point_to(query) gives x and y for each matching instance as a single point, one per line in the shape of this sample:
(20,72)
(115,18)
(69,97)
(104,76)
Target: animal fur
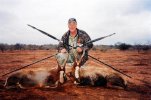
(98,76)
(89,75)
(32,78)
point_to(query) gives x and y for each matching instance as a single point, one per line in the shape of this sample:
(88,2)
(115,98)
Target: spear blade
(44,32)
(97,39)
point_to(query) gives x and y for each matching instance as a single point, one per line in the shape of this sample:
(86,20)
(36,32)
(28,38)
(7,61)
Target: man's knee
(61,58)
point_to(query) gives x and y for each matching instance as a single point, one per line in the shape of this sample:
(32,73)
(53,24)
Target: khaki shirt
(73,42)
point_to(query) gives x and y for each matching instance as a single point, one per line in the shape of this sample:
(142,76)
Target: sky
(129,19)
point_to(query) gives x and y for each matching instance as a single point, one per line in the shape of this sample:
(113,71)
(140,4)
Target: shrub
(123,46)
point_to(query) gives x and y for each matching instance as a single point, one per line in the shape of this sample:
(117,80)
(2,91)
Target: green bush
(123,46)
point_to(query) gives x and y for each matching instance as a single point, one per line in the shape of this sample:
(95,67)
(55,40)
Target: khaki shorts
(68,57)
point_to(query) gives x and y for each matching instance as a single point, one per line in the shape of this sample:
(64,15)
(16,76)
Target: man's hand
(79,50)
(63,51)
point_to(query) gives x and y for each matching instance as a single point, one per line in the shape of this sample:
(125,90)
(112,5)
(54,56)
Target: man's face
(72,26)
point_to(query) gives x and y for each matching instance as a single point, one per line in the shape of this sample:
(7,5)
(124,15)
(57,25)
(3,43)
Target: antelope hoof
(77,81)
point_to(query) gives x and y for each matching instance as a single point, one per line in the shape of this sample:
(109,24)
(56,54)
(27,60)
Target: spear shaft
(28,65)
(110,66)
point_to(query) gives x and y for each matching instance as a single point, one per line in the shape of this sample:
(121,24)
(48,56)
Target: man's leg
(61,60)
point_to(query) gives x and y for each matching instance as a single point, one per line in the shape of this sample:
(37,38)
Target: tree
(18,46)
(2,47)
(122,46)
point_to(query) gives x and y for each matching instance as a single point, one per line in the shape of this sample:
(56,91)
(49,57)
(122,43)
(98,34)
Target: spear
(53,37)
(44,33)
(28,65)
(109,66)
(98,39)
(91,41)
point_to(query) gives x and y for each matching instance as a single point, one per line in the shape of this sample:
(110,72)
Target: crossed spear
(53,37)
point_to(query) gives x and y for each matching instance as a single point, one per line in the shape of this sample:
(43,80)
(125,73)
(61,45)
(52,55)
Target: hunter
(70,50)
(73,38)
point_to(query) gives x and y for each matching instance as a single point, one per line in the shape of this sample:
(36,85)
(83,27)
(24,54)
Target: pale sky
(130,19)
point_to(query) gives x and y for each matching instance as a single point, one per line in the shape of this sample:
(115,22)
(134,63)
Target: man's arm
(86,39)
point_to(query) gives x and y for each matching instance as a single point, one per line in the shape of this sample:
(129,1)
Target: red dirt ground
(137,65)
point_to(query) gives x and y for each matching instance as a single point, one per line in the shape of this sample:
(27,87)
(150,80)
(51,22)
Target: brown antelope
(41,78)
(98,76)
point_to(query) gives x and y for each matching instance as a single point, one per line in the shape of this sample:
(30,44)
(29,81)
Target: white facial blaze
(61,78)
(77,71)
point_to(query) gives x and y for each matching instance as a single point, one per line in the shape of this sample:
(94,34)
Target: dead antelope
(32,78)
(94,76)
(88,75)
(38,78)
